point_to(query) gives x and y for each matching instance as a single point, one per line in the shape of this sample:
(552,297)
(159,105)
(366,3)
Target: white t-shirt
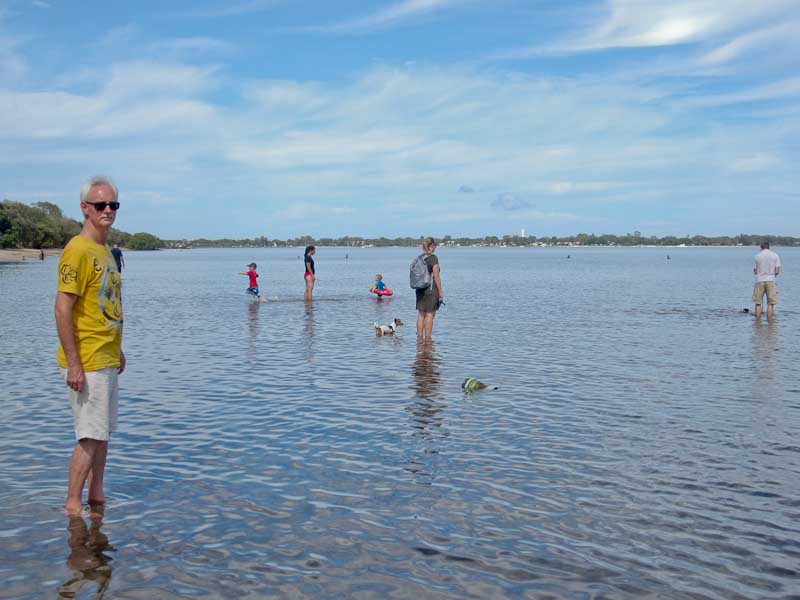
(766,263)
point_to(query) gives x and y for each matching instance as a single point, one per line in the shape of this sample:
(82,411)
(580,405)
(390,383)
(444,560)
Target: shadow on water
(87,559)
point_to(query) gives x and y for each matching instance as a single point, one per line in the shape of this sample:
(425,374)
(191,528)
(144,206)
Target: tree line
(581,239)
(43,225)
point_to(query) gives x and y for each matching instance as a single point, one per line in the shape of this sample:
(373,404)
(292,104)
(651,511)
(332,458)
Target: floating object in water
(473,385)
(745,310)
(383,292)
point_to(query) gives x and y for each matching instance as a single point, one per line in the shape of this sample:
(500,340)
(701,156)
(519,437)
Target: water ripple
(642,444)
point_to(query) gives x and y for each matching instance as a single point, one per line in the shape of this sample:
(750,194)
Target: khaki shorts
(768,288)
(94,410)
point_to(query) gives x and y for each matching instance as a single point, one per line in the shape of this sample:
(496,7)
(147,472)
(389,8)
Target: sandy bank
(26,254)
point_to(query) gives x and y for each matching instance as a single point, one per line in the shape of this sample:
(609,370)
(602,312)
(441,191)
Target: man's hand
(122,362)
(75,377)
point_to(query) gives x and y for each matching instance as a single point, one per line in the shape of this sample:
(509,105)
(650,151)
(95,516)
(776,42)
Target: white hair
(95,181)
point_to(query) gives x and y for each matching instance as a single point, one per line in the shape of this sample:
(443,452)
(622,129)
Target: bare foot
(73,510)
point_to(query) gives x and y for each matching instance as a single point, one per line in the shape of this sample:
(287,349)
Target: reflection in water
(252,318)
(86,558)
(426,417)
(765,344)
(308,330)
(427,378)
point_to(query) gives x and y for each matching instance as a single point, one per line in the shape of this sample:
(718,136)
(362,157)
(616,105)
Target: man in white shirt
(767,268)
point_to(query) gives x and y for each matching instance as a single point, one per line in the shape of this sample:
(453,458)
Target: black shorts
(428,299)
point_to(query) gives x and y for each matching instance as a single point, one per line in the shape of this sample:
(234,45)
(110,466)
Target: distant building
(522,233)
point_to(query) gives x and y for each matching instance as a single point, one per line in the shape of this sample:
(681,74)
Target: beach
(20,254)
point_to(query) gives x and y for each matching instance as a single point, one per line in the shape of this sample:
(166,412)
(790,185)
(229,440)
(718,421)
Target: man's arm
(65,325)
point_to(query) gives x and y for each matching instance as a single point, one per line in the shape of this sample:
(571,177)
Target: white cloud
(337,155)
(145,79)
(572,187)
(237,9)
(653,23)
(189,45)
(785,88)
(136,97)
(754,162)
(302,211)
(510,202)
(13,66)
(656,23)
(389,16)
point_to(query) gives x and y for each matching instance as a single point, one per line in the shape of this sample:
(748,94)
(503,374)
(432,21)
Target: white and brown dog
(387,329)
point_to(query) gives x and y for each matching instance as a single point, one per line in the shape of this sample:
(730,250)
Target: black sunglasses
(101,206)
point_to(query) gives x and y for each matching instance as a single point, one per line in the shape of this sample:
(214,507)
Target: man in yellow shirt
(89,323)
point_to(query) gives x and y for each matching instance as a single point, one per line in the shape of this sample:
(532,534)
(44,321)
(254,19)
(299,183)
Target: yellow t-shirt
(89,271)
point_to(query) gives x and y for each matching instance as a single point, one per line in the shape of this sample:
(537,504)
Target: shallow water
(643,442)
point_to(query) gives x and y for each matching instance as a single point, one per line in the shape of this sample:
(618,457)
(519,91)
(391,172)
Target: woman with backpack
(430,295)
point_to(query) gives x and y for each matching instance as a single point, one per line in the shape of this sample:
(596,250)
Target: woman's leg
(429,317)
(309,287)
(420,323)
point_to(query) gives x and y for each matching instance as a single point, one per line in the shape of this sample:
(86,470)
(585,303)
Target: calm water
(644,442)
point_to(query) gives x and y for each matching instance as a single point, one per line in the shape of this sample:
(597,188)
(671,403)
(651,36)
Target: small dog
(387,329)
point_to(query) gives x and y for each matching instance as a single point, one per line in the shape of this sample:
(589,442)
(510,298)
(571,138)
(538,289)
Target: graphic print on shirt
(69,274)
(109,298)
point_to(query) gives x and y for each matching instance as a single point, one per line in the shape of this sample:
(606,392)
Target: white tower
(522,233)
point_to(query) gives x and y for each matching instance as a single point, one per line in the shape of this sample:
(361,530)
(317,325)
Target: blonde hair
(427,245)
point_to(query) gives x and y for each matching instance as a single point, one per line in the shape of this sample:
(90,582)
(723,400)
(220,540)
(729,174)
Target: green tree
(144,241)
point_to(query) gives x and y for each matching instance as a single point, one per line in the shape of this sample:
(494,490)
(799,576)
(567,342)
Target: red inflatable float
(383,292)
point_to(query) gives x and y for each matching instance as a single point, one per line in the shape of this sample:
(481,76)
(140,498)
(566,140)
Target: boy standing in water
(253,275)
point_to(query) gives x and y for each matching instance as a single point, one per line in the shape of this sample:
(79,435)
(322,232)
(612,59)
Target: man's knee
(89,445)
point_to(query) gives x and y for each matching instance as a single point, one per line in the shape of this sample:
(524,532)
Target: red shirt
(253,276)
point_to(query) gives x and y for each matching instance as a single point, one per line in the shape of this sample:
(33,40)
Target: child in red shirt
(251,273)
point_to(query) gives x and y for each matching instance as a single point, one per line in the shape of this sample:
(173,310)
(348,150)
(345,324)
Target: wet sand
(20,254)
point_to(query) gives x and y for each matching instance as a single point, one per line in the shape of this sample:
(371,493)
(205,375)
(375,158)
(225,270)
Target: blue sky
(408,117)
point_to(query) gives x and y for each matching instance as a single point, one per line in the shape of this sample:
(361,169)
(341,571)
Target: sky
(283,118)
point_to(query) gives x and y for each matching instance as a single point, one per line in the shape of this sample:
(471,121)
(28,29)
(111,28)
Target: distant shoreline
(26,254)
(443,245)
(31,254)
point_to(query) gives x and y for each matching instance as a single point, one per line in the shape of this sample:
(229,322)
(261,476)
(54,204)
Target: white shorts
(94,410)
